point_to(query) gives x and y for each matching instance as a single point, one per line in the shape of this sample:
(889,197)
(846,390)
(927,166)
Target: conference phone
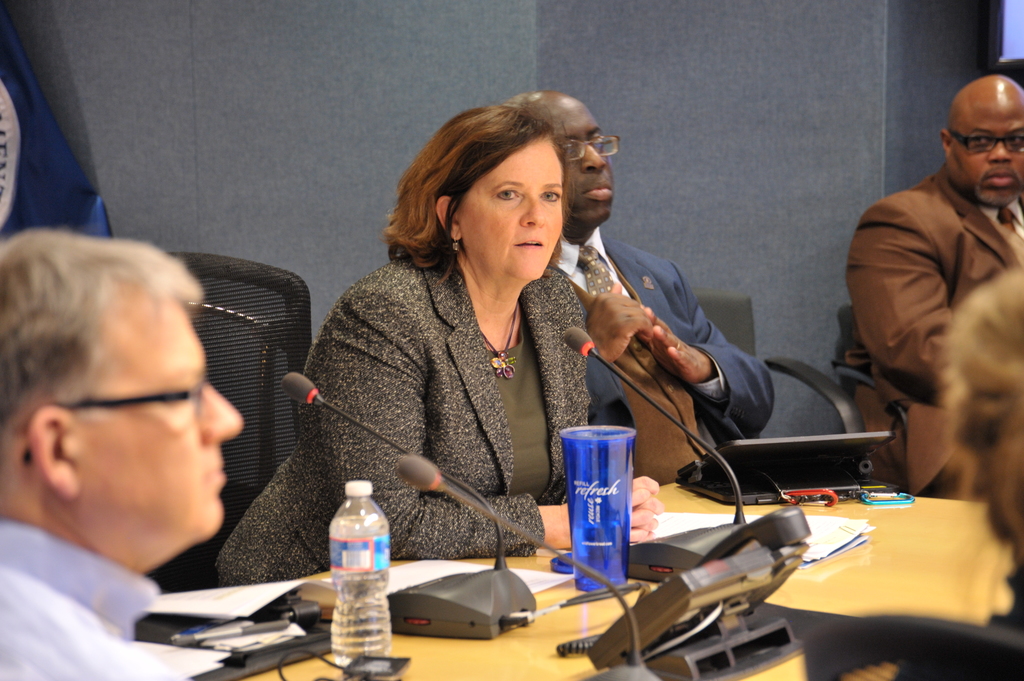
(702,621)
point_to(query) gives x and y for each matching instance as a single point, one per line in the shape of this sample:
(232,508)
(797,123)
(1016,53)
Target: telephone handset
(658,559)
(785,527)
(739,573)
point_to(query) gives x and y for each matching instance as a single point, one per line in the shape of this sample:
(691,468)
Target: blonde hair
(55,288)
(984,397)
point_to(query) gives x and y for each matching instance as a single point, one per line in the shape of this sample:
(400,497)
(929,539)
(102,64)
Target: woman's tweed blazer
(401,351)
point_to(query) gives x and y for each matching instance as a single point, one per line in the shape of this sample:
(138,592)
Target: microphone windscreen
(298,387)
(419,473)
(577,339)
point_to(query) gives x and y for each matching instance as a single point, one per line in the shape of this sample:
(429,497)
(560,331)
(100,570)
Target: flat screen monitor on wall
(1002,38)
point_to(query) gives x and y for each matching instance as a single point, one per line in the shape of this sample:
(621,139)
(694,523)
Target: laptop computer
(766,468)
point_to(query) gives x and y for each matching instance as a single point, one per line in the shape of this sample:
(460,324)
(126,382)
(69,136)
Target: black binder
(240,664)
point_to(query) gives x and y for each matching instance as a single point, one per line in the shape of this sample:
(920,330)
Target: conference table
(934,558)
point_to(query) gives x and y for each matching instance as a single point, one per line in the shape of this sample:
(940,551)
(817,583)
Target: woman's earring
(455,246)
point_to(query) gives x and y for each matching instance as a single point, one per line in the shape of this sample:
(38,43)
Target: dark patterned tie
(599,279)
(1006,218)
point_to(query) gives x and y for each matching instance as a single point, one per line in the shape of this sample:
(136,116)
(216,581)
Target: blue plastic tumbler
(599,486)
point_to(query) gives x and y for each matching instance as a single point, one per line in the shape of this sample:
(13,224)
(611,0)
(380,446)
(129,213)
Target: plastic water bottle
(360,556)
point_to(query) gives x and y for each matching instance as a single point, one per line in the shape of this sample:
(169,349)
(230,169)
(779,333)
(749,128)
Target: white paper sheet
(225,603)
(256,640)
(241,601)
(829,534)
(188,662)
(403,576)
(859,540)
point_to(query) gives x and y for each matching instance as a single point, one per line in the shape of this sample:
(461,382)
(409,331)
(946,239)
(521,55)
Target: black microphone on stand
(301,389)
(469,605)
(660,558)
(423,475)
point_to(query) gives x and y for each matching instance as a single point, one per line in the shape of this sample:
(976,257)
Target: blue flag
(41,183)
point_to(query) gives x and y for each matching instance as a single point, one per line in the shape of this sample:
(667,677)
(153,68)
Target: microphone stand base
(460,606)
(659,559)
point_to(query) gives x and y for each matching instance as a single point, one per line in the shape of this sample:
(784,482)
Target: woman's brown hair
(466,148)
(984,398)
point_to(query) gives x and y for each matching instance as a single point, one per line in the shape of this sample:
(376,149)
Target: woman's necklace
(502,363)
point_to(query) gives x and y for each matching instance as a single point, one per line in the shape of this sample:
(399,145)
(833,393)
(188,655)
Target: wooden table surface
(935,558)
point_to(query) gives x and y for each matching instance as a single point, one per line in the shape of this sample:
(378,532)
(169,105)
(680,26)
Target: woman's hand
(556,525)
(646,506)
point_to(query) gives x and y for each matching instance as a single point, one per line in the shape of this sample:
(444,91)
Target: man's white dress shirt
(67,614)
(714,388)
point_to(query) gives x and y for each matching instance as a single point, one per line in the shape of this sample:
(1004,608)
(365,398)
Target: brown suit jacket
(914,257)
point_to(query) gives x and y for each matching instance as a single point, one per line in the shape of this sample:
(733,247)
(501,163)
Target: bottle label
(361,555)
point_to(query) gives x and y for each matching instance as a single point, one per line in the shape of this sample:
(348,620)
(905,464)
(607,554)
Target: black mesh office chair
(733,314)
(848,376)
(255,327)
(925,649)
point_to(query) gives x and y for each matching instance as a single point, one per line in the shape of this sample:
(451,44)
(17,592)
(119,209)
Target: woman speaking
(452,350)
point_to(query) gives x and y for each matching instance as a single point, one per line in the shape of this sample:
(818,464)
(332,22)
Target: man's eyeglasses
(977,144)
(604,146)
(195,395)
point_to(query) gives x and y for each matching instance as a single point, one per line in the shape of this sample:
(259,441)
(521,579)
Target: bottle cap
(358,488)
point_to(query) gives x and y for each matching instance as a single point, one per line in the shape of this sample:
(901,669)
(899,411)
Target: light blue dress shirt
(69,614)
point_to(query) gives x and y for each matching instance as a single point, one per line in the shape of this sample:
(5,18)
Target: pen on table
(229,632)
(521,619)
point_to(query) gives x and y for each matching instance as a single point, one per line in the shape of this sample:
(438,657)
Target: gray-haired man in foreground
(110,459)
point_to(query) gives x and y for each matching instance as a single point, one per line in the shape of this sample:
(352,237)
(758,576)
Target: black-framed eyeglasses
(604,146)
(195,395)
(977,144)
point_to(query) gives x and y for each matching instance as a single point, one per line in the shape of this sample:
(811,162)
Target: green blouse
(524,407)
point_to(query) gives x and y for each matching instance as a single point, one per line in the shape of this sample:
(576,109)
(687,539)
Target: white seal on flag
(10,147)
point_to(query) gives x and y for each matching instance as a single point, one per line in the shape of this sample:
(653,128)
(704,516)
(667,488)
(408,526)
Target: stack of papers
(422,571)
(226,603)
(231,603)
(830,535)
(830,540)
(220,605)
(188,662)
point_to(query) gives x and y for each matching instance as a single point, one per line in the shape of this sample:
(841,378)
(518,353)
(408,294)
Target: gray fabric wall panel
(755,132)
(930,54)
(275,131)
(309,112)
(118,77)
(751,144)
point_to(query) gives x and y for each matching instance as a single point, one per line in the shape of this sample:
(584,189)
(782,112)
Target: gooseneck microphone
(301,389)
(420,473)
(458,606)
(578,340)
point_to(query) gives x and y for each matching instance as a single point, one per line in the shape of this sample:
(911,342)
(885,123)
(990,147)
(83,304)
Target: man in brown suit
(915,256)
